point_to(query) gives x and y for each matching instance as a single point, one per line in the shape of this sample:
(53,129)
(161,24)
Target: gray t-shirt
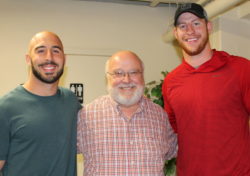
(38,133)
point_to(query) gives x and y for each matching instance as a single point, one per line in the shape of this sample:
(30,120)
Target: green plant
(154,92)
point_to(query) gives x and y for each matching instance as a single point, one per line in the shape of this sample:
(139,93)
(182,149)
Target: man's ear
(175,32)
(65,58)
(209,27)
(28,59)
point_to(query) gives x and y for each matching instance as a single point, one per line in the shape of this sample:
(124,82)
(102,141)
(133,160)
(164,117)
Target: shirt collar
(117,106)
(217,61)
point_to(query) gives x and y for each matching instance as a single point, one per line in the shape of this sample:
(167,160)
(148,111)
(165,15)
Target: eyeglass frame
(120,74)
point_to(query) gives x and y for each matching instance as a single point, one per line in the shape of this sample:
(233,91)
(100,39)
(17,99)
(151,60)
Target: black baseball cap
(193,8)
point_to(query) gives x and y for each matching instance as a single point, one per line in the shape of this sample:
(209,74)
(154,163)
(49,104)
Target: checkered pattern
(113,145)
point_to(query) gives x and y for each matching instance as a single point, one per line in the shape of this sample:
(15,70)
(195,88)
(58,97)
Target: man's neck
(40,88)
(199,59)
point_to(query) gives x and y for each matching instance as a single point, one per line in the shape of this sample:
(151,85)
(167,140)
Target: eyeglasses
(121,74)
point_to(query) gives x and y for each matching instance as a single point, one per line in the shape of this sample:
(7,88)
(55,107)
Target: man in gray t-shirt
(38,119)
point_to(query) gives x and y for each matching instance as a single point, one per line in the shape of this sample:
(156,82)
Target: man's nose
(126,77)
(49,55)
(190,29)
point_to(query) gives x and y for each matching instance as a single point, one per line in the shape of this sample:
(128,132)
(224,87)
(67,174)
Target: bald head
(122,56)
(44,36)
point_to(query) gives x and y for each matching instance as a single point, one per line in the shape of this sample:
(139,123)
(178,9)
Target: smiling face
(46,57)
(192,33)
(125,80)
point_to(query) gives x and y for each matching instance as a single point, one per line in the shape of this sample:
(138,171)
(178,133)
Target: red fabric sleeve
(167,106)
(245,85)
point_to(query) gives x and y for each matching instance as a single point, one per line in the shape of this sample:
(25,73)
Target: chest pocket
(150,145)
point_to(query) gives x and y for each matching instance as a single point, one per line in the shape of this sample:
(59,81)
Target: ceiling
(152,3)
(213,7)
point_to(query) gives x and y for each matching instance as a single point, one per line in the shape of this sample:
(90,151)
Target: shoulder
(236,64)
(97,108)
(149,105)
(172,77)
(154,111)
(241,61)
(232,58)
(11,96)
(175,72)
(67,93)
(15,99)
(69,96)
(100,102)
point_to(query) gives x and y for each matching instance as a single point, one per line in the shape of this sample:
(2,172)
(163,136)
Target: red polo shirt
(209,108)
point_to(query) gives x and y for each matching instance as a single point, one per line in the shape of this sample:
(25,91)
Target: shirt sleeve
(80,128)
(245,86)
(172,141)
(167,106)
(4,135)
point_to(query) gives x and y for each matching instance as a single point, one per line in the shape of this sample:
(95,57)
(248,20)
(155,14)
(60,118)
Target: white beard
(123,99)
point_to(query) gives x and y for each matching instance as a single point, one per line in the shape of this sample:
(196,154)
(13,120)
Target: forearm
(1,164)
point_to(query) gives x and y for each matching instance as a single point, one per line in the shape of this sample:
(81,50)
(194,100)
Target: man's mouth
(191,39)
(48,67)
(127,87)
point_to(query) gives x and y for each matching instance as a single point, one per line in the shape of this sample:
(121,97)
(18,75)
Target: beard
(198,49)
(126,99)
(48,80)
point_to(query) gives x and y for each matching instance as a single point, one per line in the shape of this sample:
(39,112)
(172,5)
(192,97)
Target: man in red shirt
(207,98)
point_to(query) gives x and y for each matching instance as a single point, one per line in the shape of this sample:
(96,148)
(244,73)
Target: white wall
(86,28)
(231,31)
(93,31)
(235,37)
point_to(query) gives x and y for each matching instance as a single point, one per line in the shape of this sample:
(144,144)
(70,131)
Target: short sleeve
(4,134)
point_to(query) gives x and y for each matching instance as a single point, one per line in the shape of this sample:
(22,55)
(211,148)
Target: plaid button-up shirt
(113,145)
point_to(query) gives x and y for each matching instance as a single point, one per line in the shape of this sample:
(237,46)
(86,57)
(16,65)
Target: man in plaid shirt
(124,133)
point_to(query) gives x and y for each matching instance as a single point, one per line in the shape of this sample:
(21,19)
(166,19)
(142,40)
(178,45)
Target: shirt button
(132,162)
(131,142)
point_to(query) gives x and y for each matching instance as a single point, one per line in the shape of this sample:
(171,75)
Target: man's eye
(133,73)
(196,23)
(56,51)
(119,73)
(181,26)
(40,51)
